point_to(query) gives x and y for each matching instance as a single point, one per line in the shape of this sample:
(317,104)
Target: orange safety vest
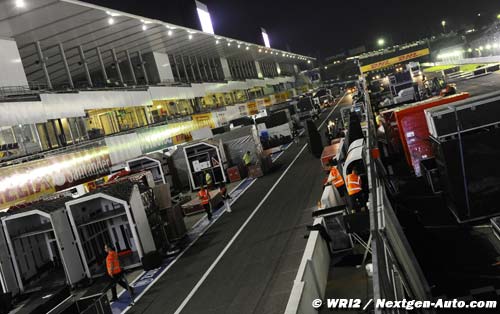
(337,180)
(353,184)
(203,195)
(112,263)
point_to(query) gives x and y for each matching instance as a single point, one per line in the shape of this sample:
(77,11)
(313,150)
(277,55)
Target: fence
(396,272)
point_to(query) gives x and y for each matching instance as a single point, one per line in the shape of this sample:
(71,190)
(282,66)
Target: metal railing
(396,272)
(31,90)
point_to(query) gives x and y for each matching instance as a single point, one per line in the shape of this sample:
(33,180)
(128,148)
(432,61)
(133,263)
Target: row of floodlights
(112,20)
(218,40)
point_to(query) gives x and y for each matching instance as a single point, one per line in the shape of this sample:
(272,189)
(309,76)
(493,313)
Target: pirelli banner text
(395,60)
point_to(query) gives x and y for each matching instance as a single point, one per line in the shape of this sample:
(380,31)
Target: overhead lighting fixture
(20,4)
(247,48)
(239,46)
(308,61)
(170,33)
(228,44)
(144,27)
(260,50)
(267,42)
(190,36)
(111,21)
(112,13)
(205,19)
(217,42)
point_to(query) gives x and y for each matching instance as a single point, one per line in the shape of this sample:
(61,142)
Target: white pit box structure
(114,214)
(41,249)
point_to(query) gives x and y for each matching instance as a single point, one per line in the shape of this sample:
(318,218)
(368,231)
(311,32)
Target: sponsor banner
(395,60)
(260,103)
(252,108)
(204,119)
(29,181)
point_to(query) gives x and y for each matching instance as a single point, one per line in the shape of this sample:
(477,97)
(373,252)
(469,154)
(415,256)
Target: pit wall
(310,282)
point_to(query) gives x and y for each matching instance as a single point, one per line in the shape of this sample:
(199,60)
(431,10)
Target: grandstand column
(258,69)
(85,66)
(117,66)
(43,63)
(196,61)
(209,69)
(103,67)
(131,67)
(143,68)
(66,67)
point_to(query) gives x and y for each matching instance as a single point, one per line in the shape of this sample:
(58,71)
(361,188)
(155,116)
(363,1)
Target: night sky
(322,28)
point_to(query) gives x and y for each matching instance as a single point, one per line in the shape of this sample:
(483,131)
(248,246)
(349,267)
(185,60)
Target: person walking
(204,196)
(115,273)
(247,161)
(295,133)
(208,180)
(225,196)
(354,189)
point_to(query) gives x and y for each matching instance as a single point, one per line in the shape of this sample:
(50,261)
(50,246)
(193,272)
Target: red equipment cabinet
(388,120)
(413,130)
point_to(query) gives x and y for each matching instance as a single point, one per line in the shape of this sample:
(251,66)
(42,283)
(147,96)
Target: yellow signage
(203,120)
(395,60)
(252,108)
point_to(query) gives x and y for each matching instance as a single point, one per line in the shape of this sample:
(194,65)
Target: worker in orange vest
(354,189)
(337,180)
(115,273)
(204,197)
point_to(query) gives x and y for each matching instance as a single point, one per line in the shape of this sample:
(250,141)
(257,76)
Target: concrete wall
(163,65)
(11,67)
(312,276)
(225,69)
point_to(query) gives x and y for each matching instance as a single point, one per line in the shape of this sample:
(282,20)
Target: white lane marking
(331,112)
(234,200)
(139,296)
(194,226)
(226,248)
(291,143)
